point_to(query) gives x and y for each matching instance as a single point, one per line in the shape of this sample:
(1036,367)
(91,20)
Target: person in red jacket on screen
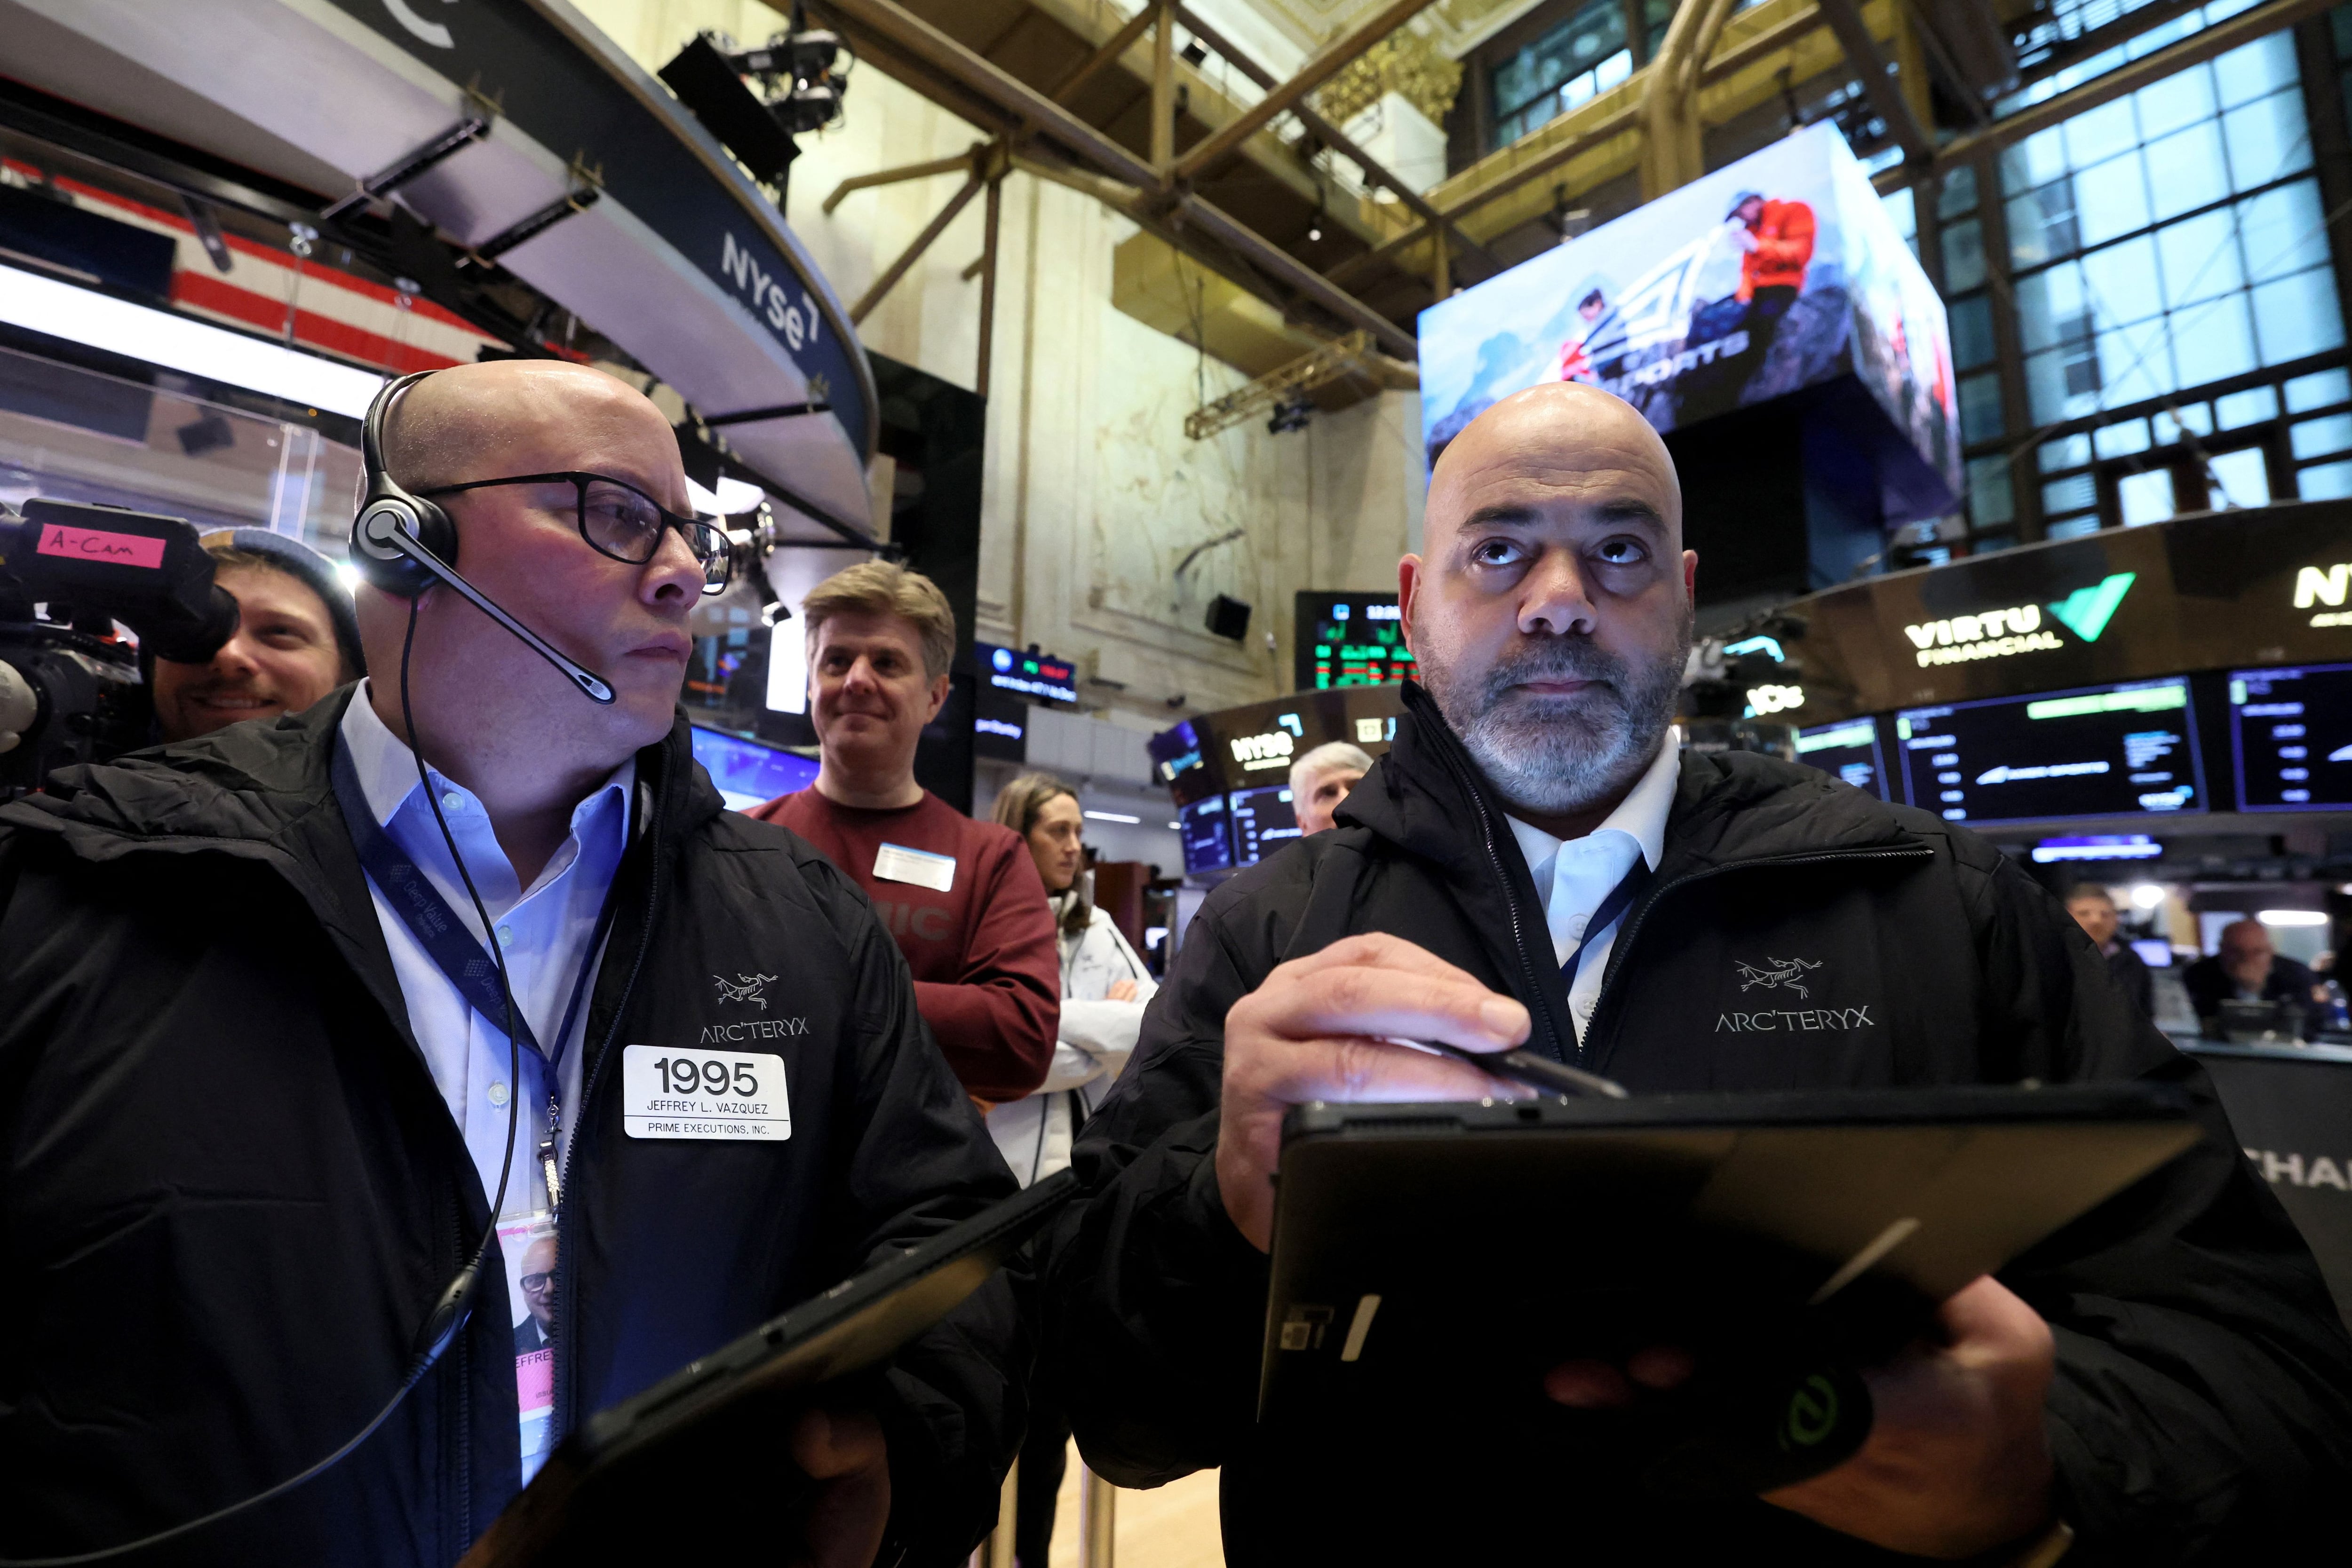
(961,897)
(1779,244)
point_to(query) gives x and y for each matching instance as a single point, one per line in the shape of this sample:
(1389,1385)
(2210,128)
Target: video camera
(70,691)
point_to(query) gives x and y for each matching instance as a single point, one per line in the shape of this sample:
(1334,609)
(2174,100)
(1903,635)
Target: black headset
(387,512)
(404,544)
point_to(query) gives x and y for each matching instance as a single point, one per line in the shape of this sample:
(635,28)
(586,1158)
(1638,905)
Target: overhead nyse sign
(2224,591)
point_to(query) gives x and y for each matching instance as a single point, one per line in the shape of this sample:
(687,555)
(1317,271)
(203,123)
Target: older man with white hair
(1320,780)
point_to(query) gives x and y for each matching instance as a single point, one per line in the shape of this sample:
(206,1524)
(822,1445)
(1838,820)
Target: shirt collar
(387,771)
(1641,816)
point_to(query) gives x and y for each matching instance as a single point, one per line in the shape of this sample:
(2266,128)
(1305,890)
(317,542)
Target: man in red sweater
(961,897)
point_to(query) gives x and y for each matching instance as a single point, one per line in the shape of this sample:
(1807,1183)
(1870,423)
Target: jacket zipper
(465,1388)
(1624,943)
(567,1274)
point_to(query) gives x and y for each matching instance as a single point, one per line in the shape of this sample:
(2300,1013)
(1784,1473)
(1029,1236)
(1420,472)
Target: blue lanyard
(436,927)
(1615,904)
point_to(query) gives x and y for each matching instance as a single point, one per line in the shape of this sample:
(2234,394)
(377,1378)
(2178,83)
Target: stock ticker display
(1349,639)
(2291,738)
(1207,838)
(1262,820)
(1848,750)
(2101,751)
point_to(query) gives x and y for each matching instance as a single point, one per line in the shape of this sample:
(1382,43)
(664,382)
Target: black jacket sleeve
(953,1404)
(2204,1385)
(1156,1302)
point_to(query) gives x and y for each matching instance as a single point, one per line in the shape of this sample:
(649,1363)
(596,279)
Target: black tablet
(643,1474)
(1428,1255)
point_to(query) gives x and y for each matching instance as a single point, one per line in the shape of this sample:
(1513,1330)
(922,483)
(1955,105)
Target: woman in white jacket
(1104,985)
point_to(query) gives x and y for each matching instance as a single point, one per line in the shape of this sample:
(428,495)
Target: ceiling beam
(1113,47)
(1844,19)
(1329,62)
(2195,49)
(1331,136)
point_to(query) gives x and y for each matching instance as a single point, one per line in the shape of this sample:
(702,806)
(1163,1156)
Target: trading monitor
(2097,752)
(1208,845)
(1349,639)
(1263,822)
(2291,738)
(1847,749)
(747,773)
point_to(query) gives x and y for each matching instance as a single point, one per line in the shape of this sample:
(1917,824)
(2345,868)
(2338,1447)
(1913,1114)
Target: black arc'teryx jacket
(230,1191)
(2203,1410)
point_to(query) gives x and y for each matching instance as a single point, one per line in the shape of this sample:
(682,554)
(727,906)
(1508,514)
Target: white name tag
(896,862)
(717,1096)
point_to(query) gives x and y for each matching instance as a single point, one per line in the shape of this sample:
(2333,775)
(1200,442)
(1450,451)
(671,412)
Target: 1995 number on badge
(717,1096)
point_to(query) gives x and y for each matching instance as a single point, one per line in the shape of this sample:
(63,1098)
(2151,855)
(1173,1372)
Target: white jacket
(1095,1037)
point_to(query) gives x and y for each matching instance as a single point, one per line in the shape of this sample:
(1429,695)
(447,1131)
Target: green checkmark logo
(2087,611)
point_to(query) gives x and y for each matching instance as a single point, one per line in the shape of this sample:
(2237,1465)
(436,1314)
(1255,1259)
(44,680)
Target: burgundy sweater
(987,973)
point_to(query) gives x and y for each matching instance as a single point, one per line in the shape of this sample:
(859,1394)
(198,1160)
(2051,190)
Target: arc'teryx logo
(744,989)
(1787,972)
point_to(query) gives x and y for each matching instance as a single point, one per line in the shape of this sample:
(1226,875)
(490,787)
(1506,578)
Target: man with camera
(263,1086)
(1533,864)
(296,639)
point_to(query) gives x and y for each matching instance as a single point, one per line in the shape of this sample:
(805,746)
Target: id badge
(527,1242)
(921,868)
(712,1096)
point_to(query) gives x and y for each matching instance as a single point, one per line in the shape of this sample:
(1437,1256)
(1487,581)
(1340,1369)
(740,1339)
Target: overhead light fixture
(2146,895)
(176,342)
(1111,817)
(2292,918)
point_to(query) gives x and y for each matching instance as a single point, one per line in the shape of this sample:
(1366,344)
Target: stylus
(1534,1071)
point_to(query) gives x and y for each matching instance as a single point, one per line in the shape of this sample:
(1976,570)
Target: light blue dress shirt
(1572,876)
(544,929)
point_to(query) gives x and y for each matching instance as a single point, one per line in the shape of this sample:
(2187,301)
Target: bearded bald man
(1534,863)
(254,1118)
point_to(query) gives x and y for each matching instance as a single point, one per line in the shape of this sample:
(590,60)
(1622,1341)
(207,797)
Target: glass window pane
(2184,98)
(2179,420)
(2068,452)
(2189,170)
(1972,340)
(2111,200)
(1959,196)
(2252,69)
(2200,259)
(2212,340)
(2267,140)
(2050,306)
(2242,476)
(2322,437)
(2297,316)
(2145,497)
(2134,364)
(2328,482)
(2076,493)
(2321,389)
(1980,407)
(2282,230)
(1990,499)
(2072,528)
(2119,283)
(2249,407)
(1964,261)
(2035,235)
(2036,161)
(2048,392)
(2120,439)
(2097,134)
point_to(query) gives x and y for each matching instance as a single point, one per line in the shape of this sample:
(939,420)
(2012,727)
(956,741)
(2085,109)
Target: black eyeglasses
(621,521)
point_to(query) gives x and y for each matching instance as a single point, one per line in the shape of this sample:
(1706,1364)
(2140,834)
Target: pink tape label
(98,544)
(535,1380)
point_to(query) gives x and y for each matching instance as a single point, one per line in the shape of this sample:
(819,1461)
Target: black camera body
(70,690)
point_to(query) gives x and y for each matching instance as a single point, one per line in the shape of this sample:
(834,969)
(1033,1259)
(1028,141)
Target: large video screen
(1775,272)
(1849,750)
(1203,827)
(2102,751)
(2291,738)
(1348,640)
(747,773)
(1263,822)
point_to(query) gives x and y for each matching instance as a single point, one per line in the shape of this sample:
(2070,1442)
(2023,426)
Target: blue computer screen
(747,773)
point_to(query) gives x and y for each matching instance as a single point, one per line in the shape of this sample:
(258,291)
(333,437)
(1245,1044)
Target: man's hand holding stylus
(1323,1028)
